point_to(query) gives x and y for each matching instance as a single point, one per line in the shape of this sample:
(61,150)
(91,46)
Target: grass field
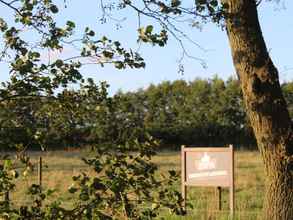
(60,166)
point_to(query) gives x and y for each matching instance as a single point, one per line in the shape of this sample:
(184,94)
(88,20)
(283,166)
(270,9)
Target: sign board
(208,166)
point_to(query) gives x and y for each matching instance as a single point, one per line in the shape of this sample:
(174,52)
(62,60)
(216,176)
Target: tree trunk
(265,105)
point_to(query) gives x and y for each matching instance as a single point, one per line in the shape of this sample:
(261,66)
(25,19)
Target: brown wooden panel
(208,167)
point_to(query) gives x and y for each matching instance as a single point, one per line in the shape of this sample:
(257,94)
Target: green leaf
(172,173)
(70,23)
(54,9)
(3,25)
(119,65)
(72,189)
(59,63)
(175,3)
(149,29)
(91,33)
(7,164)
(214,3)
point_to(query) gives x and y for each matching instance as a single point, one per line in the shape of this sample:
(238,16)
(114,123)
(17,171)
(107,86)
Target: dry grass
(60,166)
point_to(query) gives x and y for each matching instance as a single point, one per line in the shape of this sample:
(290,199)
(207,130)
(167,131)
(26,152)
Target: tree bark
(265,105)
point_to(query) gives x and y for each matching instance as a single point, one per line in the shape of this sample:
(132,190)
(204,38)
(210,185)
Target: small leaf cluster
(146,35)
(7,173)
(105,50)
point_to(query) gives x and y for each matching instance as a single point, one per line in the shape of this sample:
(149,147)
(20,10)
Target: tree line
(200,112)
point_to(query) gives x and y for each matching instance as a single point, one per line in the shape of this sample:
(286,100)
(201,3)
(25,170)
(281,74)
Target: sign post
(208,166)
(219,195)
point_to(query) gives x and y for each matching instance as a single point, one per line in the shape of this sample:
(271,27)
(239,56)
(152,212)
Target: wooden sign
(208,166)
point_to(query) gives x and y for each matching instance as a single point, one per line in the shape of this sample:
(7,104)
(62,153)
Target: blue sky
(162,63)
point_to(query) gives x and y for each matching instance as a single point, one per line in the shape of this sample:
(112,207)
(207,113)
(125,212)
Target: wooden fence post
(219,196)
(6,197)
(183,178)
(40,167)
(232,186)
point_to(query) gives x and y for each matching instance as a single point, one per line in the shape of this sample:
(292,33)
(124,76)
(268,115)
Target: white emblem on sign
(206,163)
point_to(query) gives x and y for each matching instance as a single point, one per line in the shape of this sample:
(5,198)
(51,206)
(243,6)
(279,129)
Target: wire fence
(204,203)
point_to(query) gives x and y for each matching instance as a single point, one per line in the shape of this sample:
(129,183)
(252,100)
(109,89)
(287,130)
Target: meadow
(60,166)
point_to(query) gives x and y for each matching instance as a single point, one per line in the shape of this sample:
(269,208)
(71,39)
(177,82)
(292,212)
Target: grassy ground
(60,166)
